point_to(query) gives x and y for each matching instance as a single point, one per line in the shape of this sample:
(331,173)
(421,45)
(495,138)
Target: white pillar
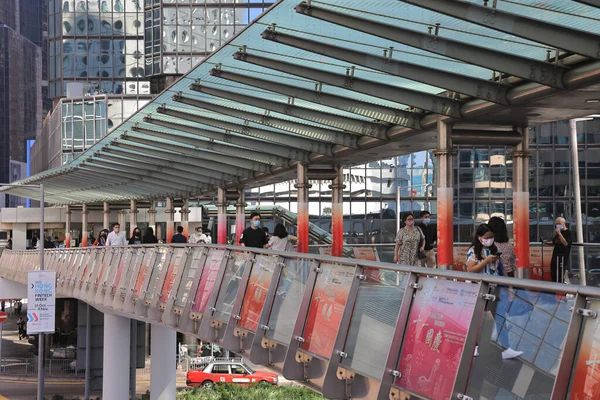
(19,237)
(115,383)
(577,195)
(163,344)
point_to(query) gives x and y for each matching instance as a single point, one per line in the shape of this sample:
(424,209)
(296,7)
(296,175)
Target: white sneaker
(510,353)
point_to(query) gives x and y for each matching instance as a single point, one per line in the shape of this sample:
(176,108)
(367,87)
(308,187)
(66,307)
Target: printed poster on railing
(256,292)
(586,382)
(207,282)
(435,336)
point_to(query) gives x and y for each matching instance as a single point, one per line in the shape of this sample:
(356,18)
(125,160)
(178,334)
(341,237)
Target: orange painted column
(185,217)
(337,214)
(170,214)
(221,217)
(84,226)
(302,219)
(240,215)
(521,205)
(67,226)
(152,216)
(133,211)
(445,199)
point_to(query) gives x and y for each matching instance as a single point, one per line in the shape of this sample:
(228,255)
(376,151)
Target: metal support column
(133,212)
(106,216)
(521,204)
(302,219)
(152,216)
(185,217)
(84,226)
(577,195)
(445,204)
(115,381)
(162,363)
(67,226)
(337,214)
(41,350)
(221,217)
(121,218)
(240,215)
(88,351)
(170,214)
(133,360)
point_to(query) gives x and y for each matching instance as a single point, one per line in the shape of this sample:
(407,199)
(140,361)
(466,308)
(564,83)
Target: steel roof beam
(279,139)
(122,180)
(200,154)
(214,163)
(336,121)
(375,111)
(315,134)
(267,158)
(529,69)
(425,101)
(557,36)
(474,87)
(592,3)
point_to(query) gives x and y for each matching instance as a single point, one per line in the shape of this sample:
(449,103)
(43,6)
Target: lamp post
(40,388)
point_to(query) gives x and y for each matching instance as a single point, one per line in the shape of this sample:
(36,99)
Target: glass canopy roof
(339,82)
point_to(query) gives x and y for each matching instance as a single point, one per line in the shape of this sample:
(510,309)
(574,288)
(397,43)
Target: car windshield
(250,370)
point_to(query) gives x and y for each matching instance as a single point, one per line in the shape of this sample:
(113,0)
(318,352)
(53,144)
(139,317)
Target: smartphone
(498,254)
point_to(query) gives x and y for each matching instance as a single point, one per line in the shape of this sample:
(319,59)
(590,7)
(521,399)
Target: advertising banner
(256,292)
(365,253)
(207,282)
(586,382)
(41,300)
(326,308)
(435,337)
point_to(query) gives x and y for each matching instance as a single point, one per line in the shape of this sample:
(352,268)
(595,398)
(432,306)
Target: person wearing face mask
(430,232)
(116,237)
(136,237)
(198,236)
(101,241)
(562,249)
(409,242)
(254,235)
(481,256)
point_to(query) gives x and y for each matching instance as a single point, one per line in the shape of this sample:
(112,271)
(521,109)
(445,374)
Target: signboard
(256,291)
(435,337)
(586,382)
(41,300)
(365,253)
(3,316)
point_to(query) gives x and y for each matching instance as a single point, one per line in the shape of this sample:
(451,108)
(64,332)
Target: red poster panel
(141,277)
(365,253)
(169,279)
(326,308)
(435,337)
(124,260)
(460,258)
(586,380)
(540,263)
(256,292)
(207,282)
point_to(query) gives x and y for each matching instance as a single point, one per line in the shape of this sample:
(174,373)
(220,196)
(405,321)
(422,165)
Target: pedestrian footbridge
(345,327)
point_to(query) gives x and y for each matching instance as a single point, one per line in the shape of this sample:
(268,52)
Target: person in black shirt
(178,237)
(430,232)
(254,236)
(562,249)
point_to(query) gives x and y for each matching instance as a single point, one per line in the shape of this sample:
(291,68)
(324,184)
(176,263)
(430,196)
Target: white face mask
(487,242)
(117,230)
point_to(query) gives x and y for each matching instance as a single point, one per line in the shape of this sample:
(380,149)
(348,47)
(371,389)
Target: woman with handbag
(410,242)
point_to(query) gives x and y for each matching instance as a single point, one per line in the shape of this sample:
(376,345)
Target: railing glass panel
(189,273)
(207,282)
(236,265)
(256,291)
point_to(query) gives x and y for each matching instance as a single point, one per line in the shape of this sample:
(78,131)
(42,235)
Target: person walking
(101,241)
(21,328)
(254,236)
(208,237)
(507,258)
(149,237)
(430,232)
(198,236)
(562,249)
(18,307)
(116,237)
(281,240)
(136,237)
(178,237)
(409,242)
(482,255)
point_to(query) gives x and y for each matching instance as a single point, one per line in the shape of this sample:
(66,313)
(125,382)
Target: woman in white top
(281,240)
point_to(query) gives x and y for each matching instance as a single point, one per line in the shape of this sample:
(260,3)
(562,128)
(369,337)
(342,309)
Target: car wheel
(207,384)
(263,384)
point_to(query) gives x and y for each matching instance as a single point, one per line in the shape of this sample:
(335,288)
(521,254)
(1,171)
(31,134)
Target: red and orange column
(445,200)
(170,215)
(240,215)
(185,217)
(521,204)
(337,214)
(84,226)
(106,216)
(67,227)
(221,216)
(152,216)
(302,218)
(133,212)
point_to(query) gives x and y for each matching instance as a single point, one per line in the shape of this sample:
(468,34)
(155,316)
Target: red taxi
(229,372)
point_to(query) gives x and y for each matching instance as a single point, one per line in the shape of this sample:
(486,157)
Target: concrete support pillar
(337,214)
(84,226)
(116,361)
(445,203)
(133,212)
(302,219)
(170,214)
(221,217)
(185,217)
(106,217)
(240,215)
(163,345)
(19,238)
(577,195)
(152,216)
(521,204)
(121,218)
(68,226)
